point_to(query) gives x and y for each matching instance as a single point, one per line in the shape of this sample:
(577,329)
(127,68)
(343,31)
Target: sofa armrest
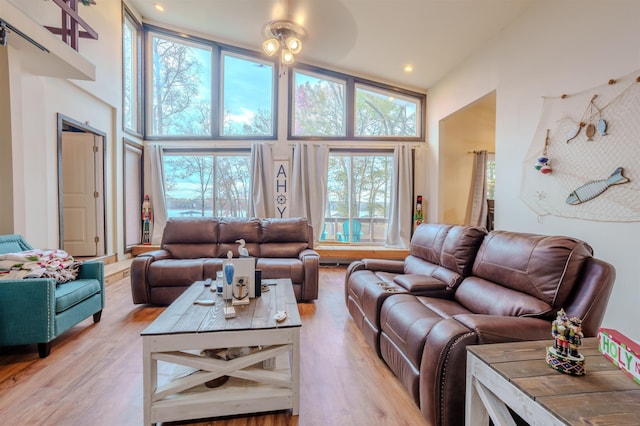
(156,254)
(311,264)
(94,269)
(139,267)
(394,266)
(27,311)
(420,284)
(502,329)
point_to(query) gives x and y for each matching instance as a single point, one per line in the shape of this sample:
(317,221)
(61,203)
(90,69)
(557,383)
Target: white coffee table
(185,329)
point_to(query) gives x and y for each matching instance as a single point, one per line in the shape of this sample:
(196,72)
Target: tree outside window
(180,88)
(212,185)
(319,106)
(358,197)
(382,113)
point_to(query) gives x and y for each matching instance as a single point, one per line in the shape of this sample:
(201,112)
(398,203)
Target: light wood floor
(94,373)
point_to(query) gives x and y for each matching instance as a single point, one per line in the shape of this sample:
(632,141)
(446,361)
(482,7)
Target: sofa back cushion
(190,238)
(232,229)
(544,267)
(461,247)
(442,251)
(284,237)
(427,241)
(484,297)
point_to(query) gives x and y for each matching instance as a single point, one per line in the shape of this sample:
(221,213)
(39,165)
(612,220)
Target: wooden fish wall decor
(592,189)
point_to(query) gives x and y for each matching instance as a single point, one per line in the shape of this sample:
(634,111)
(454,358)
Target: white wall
(35,102)
(555,47)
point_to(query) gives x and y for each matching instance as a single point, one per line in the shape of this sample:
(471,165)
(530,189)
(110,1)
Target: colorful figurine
(567,337)
(147,219)
(419,216)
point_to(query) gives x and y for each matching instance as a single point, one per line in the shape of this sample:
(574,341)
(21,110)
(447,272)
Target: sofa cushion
(545,267)
(445,252)
(191,238)
(281,267)
(175,272)
(484,297)
(460,248)
(427,241)
(233,229)
(73,292)
(407,320)
(284,237)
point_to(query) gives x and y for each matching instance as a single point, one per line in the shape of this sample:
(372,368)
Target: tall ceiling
(369,38)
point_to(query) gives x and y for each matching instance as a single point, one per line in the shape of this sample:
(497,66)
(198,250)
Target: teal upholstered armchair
(37,310)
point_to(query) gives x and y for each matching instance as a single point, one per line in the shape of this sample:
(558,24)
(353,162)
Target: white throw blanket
(57,264)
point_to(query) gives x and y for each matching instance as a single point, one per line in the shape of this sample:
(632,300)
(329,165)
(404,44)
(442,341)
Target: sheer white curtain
(309,184)
(477,215)
(154,186)
(400,215)
(262,202)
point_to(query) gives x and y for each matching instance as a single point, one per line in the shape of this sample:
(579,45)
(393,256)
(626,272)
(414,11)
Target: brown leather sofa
(193,249)
(499,287)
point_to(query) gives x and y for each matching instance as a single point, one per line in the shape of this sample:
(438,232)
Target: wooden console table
(515,375)
(265,377)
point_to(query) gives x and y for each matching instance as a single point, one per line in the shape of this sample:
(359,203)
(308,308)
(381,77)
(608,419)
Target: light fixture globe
(270,46)
(294,44)
(287,57)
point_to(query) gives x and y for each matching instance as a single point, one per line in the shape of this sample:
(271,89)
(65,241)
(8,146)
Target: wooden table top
(604,396)
(183,316)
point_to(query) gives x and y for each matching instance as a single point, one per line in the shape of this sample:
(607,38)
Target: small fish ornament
(592,189)
(542,165)
(591,131)
(602,126)
(574,132)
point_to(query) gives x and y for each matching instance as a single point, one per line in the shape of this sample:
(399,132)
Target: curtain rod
(16,31)
(477,152)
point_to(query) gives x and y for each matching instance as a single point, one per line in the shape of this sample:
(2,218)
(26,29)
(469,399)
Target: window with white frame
(358,197)
(213,184)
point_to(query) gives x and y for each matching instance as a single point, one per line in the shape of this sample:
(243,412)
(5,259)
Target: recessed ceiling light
(408,68)
(159,7)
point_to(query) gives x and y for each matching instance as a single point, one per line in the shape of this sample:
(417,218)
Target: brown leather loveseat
(193,249)
(460,286)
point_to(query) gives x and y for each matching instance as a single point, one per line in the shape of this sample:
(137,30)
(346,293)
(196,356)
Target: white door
(79,194)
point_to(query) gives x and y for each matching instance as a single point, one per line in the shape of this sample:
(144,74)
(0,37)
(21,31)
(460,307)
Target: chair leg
(44,349)
(97,316)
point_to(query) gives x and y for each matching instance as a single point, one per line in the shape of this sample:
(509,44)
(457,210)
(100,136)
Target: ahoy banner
(622,351)
(584,160)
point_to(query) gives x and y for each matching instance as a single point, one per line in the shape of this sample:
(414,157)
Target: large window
(384,113)
(199,89)
(247,96)
(330,105)
(180,88)
(131,74)
(318,106)
(358,197)
(207,184)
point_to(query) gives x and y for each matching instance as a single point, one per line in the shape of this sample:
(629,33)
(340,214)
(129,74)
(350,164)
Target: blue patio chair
(356,228)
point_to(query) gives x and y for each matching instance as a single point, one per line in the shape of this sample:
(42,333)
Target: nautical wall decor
(282,187)
(594,140)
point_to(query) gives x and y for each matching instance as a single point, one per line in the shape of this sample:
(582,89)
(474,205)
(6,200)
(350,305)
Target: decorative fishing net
(580,161)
